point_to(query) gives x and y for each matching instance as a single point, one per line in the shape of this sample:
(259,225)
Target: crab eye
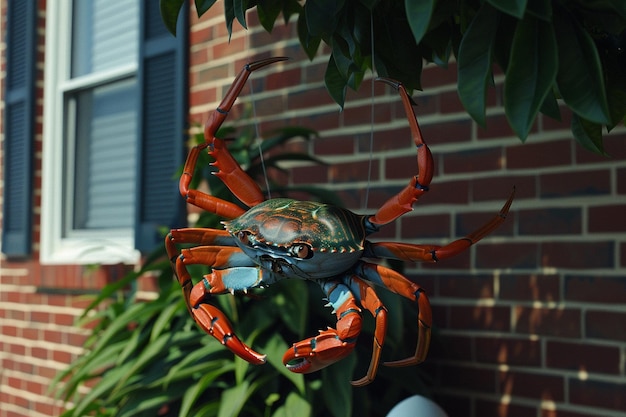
(301,250)
(243,237)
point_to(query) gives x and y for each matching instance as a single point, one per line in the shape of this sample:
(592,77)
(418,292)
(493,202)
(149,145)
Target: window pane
(105,35)
(105,143)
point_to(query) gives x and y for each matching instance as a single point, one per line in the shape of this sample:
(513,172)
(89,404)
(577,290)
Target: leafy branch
(549,51)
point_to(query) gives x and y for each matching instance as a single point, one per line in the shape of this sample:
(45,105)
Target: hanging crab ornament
(281,238)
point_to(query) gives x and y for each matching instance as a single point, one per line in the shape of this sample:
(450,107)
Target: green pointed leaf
(309,43)
(203,6)
(268,11)
(337,388)
(335,83)
(474,62)
(580,76)
(515,8)
(588,134)
(550,107)
(170,9)
(531,73)
(240,7)
(234,398)
(195,391)
(418,14)
(322,16)
(275,348)
(295,406)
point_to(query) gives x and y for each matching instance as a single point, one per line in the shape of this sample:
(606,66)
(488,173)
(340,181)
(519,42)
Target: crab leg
(229,171)
(397,283)
(434,253)
(403,202)
(239,275)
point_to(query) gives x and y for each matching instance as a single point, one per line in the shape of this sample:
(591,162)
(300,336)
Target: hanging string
(258,139)
(372,113)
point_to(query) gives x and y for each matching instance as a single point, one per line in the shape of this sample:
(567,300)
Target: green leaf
(336,385)
(268,12)
(275,348)
(515,8)
(170,9)
(309,43)
(531,73)
(335,83)
(295,406)
(474,62)
(322,16)
(234,398)
(418,14)
(580,77)
(196,390)
(588,134)
(240,7)
(550,107)
(203,6)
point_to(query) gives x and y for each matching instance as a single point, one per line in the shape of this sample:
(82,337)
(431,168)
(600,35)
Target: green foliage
(148,357)
(572,50)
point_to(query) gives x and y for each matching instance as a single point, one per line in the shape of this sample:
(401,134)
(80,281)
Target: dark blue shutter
(19,127)
(163,114)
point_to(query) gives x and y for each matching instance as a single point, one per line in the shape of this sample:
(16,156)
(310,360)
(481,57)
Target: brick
(333,145)
(472,379)
(550,221)
(499,187)
(539,155)
(552,322)
(403,167)
(449,102)
(475,160)
(467,223)
(433,76)
(532,287)
(386,140)
(351,172)
(595,288)
(548,123)
(466,286)
(362,115)
(531,385)
(425,226)
(599,394)
(607,325)
(582,357)
(621,181)
(508,351)
(492,318)
(506,255)
(446,192)
(613,146)
(451,348)
(500,409)
(582,255)
(308,98)
(497,126)
(607,219)
(451,131)
(574,184)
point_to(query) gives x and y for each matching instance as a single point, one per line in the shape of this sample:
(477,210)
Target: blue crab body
(301,239)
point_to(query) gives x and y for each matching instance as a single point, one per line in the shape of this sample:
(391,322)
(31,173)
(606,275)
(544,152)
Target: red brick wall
(530,322)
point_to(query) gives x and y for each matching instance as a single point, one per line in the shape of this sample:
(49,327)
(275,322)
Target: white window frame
(85,247)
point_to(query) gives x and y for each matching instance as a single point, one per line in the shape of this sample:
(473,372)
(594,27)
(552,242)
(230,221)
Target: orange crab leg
(434,253)
(207,316)
(397,283)
(229,171)
(403,202)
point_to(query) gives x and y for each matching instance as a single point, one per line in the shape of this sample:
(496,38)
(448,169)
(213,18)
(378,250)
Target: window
(97,163)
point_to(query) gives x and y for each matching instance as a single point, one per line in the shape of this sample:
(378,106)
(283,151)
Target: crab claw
(317,352)
(215,323)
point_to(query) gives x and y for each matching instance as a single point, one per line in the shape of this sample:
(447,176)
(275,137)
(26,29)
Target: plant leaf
(295,406)
(515,8)
(203,6)
(530,74)
(580,78)
(170,9)
(193,392)
(474,62)
(233,399)
(309,43)
(335,83)
(418,14)
(240,11)
(336,386)
(588,134)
